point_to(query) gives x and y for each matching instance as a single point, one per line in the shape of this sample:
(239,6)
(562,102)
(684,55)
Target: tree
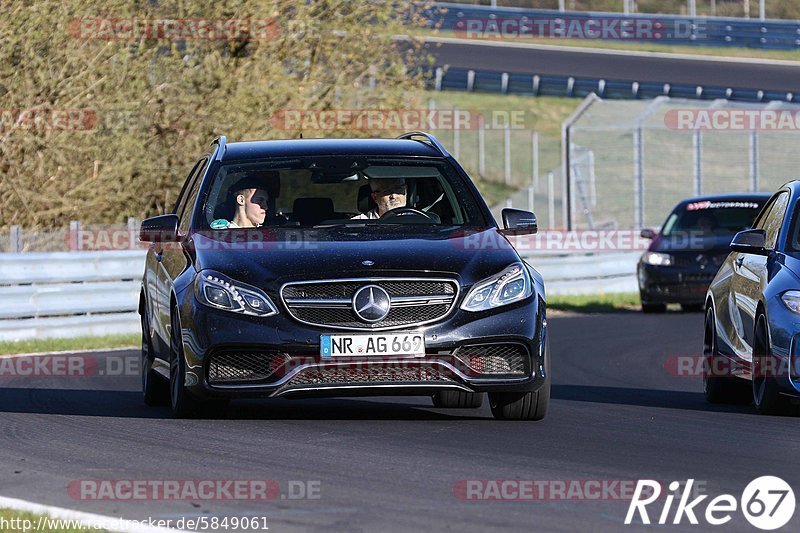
(106,104)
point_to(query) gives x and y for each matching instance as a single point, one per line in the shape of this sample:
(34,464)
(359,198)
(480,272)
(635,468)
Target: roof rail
(429,138)
(222,144)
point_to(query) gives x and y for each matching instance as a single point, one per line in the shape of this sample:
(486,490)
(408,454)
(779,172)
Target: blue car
(752,320)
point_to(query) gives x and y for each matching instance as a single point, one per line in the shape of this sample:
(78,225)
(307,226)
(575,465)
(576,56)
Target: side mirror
(648,233)
(162,228)
(752,241)
(518,222)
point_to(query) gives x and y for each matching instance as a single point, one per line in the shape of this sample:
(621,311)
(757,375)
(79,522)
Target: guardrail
(64,294)
(695,31)
(76,294)
(462,79)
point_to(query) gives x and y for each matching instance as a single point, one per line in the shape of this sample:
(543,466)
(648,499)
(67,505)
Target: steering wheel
(405,211)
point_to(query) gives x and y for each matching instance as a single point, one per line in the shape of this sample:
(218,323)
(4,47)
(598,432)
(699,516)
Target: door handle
(739,261)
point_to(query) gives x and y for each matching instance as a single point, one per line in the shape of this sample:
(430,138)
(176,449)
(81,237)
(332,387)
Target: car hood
(271,257)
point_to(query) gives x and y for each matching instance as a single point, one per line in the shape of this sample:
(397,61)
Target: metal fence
(44,295)
(696,31)
(629,162)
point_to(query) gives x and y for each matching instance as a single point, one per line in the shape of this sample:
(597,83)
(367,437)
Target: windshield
(334,191)
(711,218)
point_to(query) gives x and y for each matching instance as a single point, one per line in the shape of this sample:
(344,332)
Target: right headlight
(657,259)
(511,285)
(221,292)
(791,299)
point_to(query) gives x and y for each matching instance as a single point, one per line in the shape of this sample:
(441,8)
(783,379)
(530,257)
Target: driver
(387,195)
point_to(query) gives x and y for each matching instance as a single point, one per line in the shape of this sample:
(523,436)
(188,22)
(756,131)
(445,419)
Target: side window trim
(192,193)
(187,185)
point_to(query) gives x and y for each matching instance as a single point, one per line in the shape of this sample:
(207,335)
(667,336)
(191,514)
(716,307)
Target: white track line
(581,49)
(111,523)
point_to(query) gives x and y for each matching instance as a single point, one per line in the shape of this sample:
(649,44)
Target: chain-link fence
(631,161)
(512,166)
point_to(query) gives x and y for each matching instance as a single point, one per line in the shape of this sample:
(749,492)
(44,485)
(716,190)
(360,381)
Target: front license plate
(409,344)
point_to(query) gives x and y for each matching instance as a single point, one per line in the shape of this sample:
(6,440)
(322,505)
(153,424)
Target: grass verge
(595,303)
(78,343)
(15,521)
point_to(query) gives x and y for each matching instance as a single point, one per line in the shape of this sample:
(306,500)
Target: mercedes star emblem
(371,303)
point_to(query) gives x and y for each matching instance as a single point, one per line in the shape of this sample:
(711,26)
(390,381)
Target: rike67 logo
(767,503)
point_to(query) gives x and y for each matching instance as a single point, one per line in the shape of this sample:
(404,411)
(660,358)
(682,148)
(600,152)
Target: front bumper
(287,355)
(673,284)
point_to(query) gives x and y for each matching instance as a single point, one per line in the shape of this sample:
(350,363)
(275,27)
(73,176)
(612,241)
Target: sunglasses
(400,189)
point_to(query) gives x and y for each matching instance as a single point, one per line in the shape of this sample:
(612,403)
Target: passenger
(249,200)
(387,195)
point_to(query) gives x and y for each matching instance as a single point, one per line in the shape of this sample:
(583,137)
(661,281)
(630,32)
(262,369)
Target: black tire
(184,403)
(155,388)
(654,308)
(523,406)
(766,393)
(691,308)
(724,388)
(456,399)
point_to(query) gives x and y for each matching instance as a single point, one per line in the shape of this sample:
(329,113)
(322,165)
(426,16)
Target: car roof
(238,151)
(732,197)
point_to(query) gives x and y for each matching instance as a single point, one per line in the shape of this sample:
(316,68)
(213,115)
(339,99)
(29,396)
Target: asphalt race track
(621,66)
(618,413)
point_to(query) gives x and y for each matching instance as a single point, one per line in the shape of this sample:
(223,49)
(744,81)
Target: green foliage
(147,108)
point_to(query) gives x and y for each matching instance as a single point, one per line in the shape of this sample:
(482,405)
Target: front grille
(699,258)
(330,303)
(239,366)
(368,374)
(496,359)
(698,278)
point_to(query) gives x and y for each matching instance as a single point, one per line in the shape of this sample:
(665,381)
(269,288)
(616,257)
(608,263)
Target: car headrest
(312,211)
(365,201)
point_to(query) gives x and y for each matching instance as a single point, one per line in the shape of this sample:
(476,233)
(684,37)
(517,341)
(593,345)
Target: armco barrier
(64,294)
(697,31)
(462,79)
(75,294)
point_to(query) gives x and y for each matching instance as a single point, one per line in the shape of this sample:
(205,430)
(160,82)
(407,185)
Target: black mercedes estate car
(693,242)
(330,267)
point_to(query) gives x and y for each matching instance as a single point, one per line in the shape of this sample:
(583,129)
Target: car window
(309,192)
(772,222)
(719,217)
(191,197)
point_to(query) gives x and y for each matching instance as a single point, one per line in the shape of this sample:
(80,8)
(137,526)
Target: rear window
(712,218)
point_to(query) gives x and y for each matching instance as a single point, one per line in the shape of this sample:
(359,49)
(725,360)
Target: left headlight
(221,292)
(511,285)
(657,259)
(791,299)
